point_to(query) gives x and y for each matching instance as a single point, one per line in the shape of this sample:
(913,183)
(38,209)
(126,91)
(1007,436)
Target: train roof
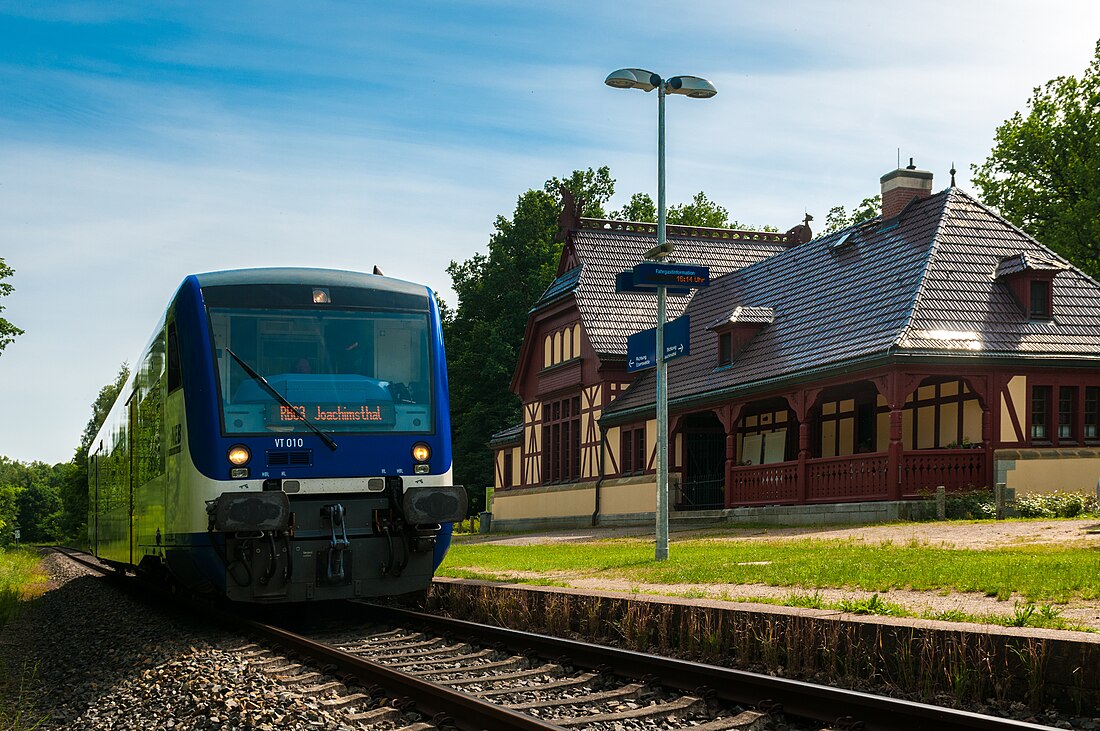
(308,275)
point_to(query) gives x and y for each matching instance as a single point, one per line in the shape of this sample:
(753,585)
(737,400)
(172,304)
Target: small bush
(1055,505)
(975,505)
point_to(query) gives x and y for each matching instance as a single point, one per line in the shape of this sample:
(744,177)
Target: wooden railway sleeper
(550,669)
(679,707)
(633,690)
(441,660)
(574,682)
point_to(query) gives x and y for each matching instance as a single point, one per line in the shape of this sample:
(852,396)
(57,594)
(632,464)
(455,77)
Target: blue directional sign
(641,347)
(654,274)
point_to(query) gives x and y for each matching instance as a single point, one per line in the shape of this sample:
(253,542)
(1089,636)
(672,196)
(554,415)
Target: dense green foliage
(1043,172)
(1039,573)
(838,217)
(30,500)
(7,330)
(50,503)
(495,292)
(1056,505)
(701,211)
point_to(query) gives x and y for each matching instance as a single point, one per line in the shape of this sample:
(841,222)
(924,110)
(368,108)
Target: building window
(632,451)
(1039,300)
(725,349)
(506,478)
(1092,412)
(1067,412)
(1040,412)
(561,440)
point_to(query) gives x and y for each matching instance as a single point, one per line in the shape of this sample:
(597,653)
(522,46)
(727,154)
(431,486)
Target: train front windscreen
(347,371)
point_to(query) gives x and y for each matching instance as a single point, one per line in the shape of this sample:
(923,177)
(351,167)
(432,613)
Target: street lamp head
(633,79)
(692,86)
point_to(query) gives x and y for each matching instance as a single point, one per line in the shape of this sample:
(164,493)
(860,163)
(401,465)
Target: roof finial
(953,173)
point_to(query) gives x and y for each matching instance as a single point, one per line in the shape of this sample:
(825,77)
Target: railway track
(391,668)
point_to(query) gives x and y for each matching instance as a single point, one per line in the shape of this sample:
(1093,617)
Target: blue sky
(142,141)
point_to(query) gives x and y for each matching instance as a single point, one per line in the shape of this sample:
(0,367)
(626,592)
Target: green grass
(1043,574)
(20,577)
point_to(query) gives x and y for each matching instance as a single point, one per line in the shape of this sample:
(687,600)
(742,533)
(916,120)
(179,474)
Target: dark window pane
(1040,412)
(725,348)
(1092,408)
(1039,307)
(1067,409)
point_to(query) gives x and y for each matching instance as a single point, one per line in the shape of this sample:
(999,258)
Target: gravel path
(89,657)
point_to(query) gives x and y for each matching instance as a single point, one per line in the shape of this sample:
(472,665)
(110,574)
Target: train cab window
(347,371)
(173,377)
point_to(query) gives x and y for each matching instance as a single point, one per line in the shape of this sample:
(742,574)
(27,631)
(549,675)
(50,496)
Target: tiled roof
(507,436)
(1027,260)
(610,316)
(560,287)
(748,316)
(924,286)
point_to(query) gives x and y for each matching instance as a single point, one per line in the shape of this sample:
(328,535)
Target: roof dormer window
(725,348)
(1039,299)
(1030,277)
(738,329)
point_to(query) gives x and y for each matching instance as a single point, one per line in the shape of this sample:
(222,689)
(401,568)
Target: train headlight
(239,455)
(422,452)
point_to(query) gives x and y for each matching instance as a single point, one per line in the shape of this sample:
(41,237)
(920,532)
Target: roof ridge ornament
(570,216)
(693,232)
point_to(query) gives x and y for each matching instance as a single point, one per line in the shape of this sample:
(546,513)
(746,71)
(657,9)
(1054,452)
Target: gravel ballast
(85,656)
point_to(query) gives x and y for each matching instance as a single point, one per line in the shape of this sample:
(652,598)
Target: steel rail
(798,698)
(465,711)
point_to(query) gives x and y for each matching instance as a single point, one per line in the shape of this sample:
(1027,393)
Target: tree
(1043,173)
(73,485)
(7,330)
(838,218)
(484,333)
(700,212)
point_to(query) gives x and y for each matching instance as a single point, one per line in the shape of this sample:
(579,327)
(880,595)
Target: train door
(131,407)
(94,518)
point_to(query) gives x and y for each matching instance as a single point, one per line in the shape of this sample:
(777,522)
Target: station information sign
(655,274)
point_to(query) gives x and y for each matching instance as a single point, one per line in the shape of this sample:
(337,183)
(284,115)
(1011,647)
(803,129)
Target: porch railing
(764,485)
(842,479)
(857,477)
(955,469)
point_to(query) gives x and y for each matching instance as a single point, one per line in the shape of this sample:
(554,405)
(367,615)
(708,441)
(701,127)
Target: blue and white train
(284,437)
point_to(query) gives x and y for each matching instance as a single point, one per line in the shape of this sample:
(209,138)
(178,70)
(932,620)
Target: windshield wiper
(282,400)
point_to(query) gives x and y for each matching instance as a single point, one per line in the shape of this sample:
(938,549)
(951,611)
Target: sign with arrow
(641,347)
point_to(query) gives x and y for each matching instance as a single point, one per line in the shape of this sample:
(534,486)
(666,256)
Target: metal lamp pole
(698,88)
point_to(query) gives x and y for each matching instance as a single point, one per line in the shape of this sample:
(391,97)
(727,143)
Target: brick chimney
(901,186)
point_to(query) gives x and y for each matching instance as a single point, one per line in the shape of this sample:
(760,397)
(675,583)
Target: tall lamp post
(697,88)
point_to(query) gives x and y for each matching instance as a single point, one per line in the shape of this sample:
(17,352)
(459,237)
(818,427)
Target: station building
(934,345)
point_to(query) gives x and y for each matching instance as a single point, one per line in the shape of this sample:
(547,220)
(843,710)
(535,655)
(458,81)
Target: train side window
(175,380)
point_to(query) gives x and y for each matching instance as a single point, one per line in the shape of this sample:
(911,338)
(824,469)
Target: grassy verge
(1043,575)
(20,577)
